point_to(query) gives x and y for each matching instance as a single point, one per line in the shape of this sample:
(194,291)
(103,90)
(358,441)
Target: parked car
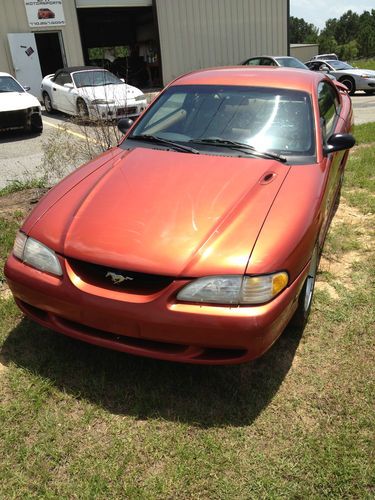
(91,92)
(325,57)
(198,238)
(46,14)
(353,78)
(18,108)
(284,61)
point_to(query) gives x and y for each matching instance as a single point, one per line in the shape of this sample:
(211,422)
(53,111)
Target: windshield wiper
(239,145)
(154,138)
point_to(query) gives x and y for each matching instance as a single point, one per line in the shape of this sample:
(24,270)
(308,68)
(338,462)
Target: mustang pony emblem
(117,278)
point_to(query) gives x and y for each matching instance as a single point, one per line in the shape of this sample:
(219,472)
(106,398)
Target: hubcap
(47,102)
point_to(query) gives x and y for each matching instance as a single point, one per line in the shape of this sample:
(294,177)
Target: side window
(253,62)
(63,78)
(329,105)
(265,61)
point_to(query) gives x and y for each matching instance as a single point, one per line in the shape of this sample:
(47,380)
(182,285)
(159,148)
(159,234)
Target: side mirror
(124,124)
(338,142)
(26,88)
(69,85)
(324,68)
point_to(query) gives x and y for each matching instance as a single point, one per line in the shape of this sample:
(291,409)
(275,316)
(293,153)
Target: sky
(318,12)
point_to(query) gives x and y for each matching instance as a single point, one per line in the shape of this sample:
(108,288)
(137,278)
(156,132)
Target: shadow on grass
(205,396)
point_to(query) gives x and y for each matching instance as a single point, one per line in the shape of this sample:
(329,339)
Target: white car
(91,92)
(18,108)
(353,78)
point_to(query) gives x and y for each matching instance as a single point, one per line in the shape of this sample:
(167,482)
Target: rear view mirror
(338,142)
(69,85)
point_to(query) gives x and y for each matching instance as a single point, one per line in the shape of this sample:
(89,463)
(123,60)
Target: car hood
(164,212)
(13,101)
(116,92)
(357,72)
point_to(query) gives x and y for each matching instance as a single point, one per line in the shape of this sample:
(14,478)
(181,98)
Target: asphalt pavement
(21,155)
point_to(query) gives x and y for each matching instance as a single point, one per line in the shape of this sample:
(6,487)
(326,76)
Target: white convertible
(18,108)
(91,92)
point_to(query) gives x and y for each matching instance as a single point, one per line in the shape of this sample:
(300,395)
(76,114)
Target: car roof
(265,76)
(2,73)
(74,69)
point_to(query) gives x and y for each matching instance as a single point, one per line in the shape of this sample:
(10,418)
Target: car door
(63,98)
(329,109)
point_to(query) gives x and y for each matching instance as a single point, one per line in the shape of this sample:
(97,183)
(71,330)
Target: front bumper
(156,325)
(366,84)
(114,111)
(28,118)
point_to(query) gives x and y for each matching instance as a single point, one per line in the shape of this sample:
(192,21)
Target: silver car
(285,61)
(353,78)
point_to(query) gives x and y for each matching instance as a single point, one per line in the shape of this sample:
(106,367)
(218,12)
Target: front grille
(127,111)
(13,119)
(127,281)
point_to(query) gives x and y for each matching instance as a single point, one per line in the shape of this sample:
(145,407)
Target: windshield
(340,65)
(9,84)
(290,62)
(95,78)
(270,120)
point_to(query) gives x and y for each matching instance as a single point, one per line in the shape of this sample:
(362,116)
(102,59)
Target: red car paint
(181,216)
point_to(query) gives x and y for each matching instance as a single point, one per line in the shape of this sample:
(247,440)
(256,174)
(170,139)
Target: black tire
(34,129)
(35,124)
(301,315)
(349,83)
(48,103)
(370,92)
(82,109)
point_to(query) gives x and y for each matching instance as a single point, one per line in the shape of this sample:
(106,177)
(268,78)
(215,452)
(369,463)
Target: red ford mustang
(198,238)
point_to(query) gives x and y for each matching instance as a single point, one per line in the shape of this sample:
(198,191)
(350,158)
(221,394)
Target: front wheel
(82,109)
(47,103)
(301,315)
(349,83)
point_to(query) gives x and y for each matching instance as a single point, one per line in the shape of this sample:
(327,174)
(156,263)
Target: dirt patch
(341,266)
(5,293)
(20,201)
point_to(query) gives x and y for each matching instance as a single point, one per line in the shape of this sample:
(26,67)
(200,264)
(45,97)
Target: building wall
(202,33)
(304,52)
(13,19)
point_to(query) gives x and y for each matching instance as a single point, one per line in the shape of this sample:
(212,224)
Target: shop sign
(41,13)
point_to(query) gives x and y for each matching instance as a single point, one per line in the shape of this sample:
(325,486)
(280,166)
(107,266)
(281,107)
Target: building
(304,51)
(147,42)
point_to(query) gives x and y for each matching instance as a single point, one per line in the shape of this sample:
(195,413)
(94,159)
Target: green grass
(83,422)
(364,63)
(365,133)
(360,176)
(15,186)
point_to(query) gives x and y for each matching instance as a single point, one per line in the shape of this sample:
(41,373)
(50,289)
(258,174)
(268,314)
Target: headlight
(36,254)
(244,290)
(141,97)
(102,101)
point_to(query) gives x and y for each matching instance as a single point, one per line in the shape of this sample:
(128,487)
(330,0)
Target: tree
(302,32)
(350,36)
